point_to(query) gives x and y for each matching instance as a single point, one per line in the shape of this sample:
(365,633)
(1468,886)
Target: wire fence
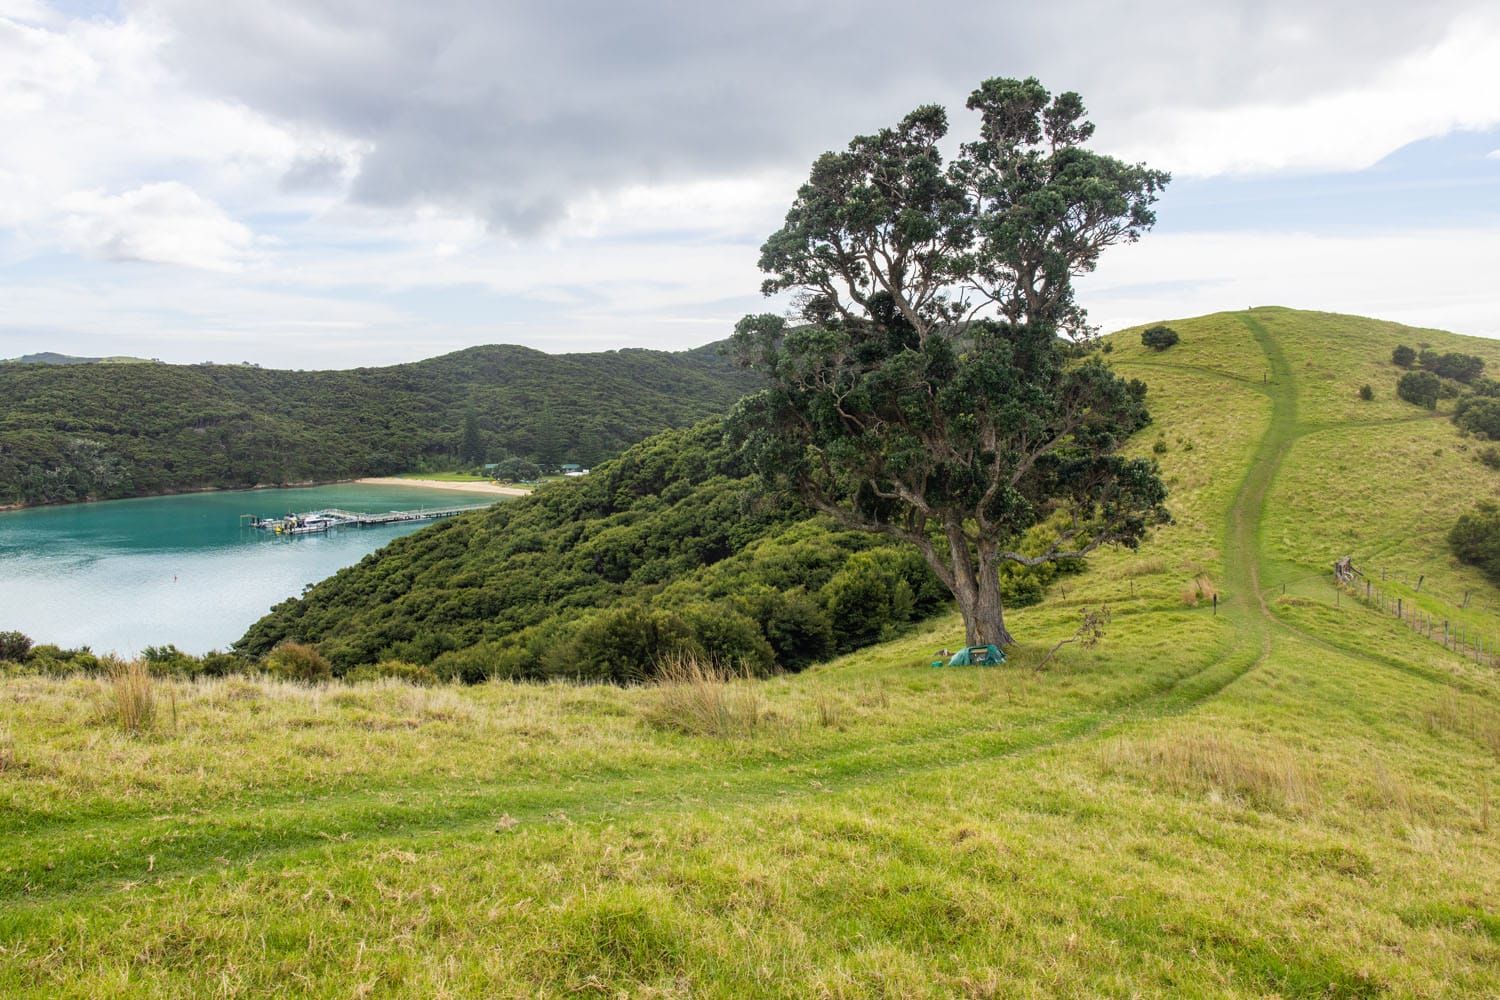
(1400,601)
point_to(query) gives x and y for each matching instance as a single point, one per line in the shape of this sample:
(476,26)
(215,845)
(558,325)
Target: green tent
(977,656)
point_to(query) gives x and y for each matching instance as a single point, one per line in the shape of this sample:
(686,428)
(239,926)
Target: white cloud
(165,223)
(1449,86)
(1432,278)
(98,110)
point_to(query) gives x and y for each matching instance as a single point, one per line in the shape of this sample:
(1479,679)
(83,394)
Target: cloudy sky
(322,183)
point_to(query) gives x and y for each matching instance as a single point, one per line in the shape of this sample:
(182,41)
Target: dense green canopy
(928,394)
(101,431)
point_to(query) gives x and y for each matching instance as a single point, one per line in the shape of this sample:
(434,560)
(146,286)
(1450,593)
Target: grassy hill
(53,358)
(1291,795)
(97,431)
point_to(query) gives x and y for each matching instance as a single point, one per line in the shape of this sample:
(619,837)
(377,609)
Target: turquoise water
(125,574)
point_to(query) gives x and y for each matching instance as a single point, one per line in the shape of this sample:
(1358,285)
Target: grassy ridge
(1286,798)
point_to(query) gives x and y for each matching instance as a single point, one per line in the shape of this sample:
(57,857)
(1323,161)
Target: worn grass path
(1191,819)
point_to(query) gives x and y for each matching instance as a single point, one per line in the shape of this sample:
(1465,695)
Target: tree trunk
(977,591)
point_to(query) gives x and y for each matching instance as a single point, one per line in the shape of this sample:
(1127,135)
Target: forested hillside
(671,548)
(76,432)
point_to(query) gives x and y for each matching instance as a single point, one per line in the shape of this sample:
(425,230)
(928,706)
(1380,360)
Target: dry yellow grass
(702,699)
(134,696)
(1260,775)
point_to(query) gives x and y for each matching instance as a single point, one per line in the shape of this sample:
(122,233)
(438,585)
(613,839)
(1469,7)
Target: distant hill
(76,431)
(52,358)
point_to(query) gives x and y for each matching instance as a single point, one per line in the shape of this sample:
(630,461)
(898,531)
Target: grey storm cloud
(509,110)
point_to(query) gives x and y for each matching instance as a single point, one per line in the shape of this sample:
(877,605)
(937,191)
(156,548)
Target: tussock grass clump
(830,712)
(700,698)
(1259,776)
(1146,567)
(1466,717)
(1201,589)
(134,696)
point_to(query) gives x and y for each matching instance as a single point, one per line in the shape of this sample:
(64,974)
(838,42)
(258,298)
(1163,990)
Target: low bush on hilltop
(1159,337)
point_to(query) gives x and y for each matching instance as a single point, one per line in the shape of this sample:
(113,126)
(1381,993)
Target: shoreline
(475,486)
(437,484)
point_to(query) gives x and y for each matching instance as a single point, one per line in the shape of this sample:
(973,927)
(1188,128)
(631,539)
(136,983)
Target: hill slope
(71,432)
(1290,795)
(53,358)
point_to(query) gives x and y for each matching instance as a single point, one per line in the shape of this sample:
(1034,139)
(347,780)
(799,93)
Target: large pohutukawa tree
(929,389)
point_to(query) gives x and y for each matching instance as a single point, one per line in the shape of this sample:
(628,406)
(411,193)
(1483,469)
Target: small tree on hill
(15,646)
(1403,357)
(1159,337)
(1421,388)
(471,445)
(928,396)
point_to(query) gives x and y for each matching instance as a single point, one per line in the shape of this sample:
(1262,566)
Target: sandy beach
(439,484)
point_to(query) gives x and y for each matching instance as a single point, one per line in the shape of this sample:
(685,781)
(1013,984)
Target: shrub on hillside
(1403,357)
(622,645)
(1366,392)
(1159,337)
(15,646)
(1490,456)
(411,673)
(169,661)
(1479,416)
(1459,367)
(297,661)
(1475,539)
(796,626)
(730,638)
(55,661)
(864,599)
(1420,388)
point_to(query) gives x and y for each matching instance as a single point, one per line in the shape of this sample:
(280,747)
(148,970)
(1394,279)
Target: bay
(121,575)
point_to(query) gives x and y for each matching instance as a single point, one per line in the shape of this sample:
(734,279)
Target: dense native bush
(1404,356)
(1420,388)
(1159,337)
(1475,539)
(1478,415)
(80,432)
(1366,392)
(671,549)
(1459,367)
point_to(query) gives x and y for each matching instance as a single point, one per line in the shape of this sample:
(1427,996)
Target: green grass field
(445,477)
(1293,796)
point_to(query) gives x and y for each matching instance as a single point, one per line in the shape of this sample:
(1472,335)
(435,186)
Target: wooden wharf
(333,517)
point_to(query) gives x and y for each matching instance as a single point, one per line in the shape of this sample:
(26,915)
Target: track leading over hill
(1286,798)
